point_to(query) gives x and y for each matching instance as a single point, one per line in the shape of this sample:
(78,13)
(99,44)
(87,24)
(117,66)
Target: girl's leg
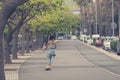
(50,55)
(49,61)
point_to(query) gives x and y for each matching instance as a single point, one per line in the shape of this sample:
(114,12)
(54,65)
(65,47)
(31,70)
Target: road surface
(74,61)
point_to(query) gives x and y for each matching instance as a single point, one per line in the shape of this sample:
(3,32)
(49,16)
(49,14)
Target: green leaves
(49,15)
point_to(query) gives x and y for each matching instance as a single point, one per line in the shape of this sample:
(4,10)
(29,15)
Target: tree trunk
(93,18)
(98,16)
(28,40)
(2,74)
(23,43)
(82,19)
(85,20)
(41,39)
(8,47)
(15,45)
(88,20)
(108,20)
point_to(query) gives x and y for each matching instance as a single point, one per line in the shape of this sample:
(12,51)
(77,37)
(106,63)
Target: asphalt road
(74,61)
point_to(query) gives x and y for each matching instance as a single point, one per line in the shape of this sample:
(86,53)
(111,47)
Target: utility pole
(112,25)
(118,51)
(96,16)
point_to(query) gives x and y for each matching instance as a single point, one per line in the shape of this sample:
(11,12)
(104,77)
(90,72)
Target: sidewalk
(109,53)
(12,70)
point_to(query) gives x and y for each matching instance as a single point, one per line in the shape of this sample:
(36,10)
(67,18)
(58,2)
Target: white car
(106,43)
(60,37)
(89,41)
(82,37)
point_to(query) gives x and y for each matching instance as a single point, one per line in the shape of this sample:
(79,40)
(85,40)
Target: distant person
(51,45)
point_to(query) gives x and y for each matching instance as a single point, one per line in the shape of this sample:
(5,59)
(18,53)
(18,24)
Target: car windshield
(112,38)
(99,39)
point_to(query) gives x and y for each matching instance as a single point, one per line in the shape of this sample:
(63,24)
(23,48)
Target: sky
(71,4)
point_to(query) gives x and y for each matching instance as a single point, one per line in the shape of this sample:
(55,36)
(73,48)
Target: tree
(85,14)
(8,8)
(20,17)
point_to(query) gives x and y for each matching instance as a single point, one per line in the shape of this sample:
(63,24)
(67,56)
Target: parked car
(113,45)
(98,42)
(86,38)
(82,37)
(89,41)
(67,36)
(107,42)
(95,36)
(60,35)
(118,47)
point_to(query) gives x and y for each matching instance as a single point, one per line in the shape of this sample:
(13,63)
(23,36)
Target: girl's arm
(55,45)
(47,45)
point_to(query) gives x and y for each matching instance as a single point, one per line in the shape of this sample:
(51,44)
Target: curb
(11,70)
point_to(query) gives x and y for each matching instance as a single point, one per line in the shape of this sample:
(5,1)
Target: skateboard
(48,69)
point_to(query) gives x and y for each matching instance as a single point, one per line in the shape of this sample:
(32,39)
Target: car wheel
(118,52)
(103,47)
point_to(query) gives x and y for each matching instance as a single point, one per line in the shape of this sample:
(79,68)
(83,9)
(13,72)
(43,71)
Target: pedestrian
(51,45)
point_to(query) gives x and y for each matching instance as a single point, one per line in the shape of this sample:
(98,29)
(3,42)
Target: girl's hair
(51,37)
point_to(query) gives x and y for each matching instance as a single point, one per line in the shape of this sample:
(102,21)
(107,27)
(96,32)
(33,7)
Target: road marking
(83,58)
